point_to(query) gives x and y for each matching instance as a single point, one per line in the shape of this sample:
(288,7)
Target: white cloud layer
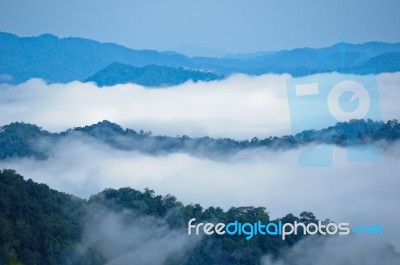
(122,238)
(353,250)
(240,106)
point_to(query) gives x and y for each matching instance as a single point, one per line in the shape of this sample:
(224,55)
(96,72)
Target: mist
(239,107)
(122,238)
(353,250)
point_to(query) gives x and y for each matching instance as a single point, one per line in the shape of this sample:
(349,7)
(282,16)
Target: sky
(207,27)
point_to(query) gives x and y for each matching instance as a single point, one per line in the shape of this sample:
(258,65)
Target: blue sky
(209,27)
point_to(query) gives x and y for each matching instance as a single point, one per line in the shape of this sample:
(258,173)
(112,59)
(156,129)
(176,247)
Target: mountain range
(63,60)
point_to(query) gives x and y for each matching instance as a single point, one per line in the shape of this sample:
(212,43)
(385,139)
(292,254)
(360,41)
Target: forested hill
(36,223)
(41,226)
(27,140)
(149,76)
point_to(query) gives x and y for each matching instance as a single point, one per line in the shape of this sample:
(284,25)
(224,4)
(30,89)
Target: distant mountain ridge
(68,59)
(150,75)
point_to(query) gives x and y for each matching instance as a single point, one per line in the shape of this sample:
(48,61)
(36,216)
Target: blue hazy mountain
(67,59)
(387,62)
(341,57)
(150,75)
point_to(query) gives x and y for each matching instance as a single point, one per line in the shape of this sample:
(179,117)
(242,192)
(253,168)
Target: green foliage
(36,223)
(225,249)
(18,140)
(43,226)
(26,140)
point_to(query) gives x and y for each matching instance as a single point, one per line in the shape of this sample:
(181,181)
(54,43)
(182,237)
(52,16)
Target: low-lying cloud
(353,250)
(121,238)
(240,106)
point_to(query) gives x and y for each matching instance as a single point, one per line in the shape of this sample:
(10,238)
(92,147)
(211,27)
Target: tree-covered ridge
(150,75)
(36,223)
(43,226)
(26,140)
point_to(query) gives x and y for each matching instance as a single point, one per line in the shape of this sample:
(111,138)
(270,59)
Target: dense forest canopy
(27,140)
(43,226)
